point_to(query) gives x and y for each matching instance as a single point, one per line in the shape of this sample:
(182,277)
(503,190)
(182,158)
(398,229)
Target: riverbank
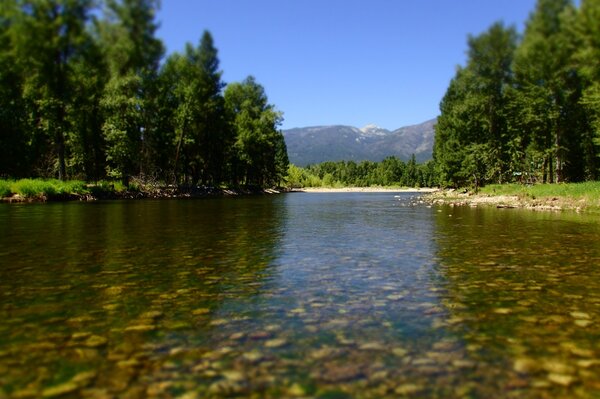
(576,197)
(366,190)
(52,190)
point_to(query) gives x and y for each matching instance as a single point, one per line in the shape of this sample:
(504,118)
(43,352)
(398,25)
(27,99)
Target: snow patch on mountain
(373,130)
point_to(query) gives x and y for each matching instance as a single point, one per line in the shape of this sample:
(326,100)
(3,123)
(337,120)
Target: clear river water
(353,295)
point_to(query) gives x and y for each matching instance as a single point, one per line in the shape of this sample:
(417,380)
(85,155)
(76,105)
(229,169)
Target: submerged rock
(200,311)
(561,379)
(60,390)
(276,343)
(408,389)
(95,341)
(525,365)
(140,328)
(253,356)
(296,390)
(335,373)
(372,346)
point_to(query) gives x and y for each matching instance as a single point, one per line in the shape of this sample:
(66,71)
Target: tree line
(389,172)
(525,108)
(86,92)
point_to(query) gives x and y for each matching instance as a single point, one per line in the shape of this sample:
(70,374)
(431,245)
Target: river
(330,295)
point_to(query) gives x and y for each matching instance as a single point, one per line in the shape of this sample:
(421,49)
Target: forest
(389,172)
(86,92)
(525,108)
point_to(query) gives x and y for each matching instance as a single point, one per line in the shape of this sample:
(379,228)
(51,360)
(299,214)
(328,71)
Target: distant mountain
(310,145)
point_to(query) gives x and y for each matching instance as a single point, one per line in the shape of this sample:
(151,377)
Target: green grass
(5,190)
(53,189)
(588,190)
(37,188)
(31,188)
(565,195)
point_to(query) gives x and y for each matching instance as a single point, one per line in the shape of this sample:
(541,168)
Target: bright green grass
(5,190)
(30,188)
(55,189)
(51,188)
(589,191)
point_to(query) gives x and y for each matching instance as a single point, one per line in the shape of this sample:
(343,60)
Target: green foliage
(473,117)
(5,188)
(122,127)
(49,38)
(105,188)
(82,95)
(200,130)
(32,188)
(589,191)
(389,172)
(259,156)
(56,189)
(525,111)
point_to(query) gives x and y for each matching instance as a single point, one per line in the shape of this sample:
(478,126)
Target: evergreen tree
(547,88)
(50,37)
(258,157)
(133,55)
(587,54)
(14,157)
(212,135)
(201,130)
(85,142)
(474,113)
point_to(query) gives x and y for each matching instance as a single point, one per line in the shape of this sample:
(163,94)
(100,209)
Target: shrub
(5,190)
(30,188)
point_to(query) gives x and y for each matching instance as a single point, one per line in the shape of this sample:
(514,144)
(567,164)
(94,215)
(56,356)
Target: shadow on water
(523,292)
(110,288)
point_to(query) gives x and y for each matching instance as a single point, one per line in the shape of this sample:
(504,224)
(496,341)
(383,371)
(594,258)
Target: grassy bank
(572,196)
(36,190)
(53,189)
(588,191)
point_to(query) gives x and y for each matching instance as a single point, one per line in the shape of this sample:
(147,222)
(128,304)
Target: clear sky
(347,62)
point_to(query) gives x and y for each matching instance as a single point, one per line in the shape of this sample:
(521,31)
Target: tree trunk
(59,143)
(558,160)
(177,158)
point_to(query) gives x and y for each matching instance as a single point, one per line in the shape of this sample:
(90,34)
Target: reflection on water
(524,293)
(302,295)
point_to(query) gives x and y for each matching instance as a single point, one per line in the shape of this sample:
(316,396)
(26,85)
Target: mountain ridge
(316,144)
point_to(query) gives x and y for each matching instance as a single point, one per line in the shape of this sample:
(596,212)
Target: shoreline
(201,192)
(168,193)
(365,190)
(553,203)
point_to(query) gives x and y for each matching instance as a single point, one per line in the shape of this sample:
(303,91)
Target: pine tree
(587,31)
(49,39)
(257,138)
(14,157)
(545,88)
(474,113)
(133,54)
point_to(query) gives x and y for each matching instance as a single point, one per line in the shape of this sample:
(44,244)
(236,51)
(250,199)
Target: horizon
(341,62)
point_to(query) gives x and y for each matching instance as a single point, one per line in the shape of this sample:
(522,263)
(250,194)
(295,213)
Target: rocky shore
(457,198)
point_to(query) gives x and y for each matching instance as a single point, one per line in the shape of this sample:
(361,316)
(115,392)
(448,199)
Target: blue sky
(347,62)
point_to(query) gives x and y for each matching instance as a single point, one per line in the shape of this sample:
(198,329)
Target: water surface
(303,295)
